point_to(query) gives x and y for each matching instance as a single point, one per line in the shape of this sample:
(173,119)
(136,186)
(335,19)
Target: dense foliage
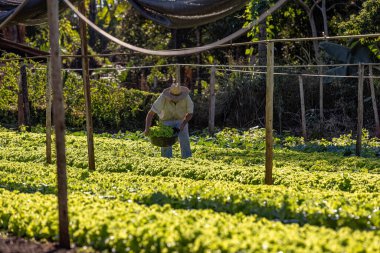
(240,96)
(113,107)
(136,201)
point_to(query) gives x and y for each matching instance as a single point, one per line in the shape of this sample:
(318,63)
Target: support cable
(234,70)
(293,74)
(376,65)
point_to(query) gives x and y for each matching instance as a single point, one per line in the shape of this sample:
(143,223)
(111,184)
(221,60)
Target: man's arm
(148,121)
(185,120)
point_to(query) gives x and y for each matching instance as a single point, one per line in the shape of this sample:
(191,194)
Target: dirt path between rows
(20,245)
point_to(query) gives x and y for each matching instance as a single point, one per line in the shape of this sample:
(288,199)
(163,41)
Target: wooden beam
(22,49)
(87,88)
(269,114)
(59,122)
(360,111)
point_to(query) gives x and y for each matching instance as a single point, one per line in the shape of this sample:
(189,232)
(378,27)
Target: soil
(20,245)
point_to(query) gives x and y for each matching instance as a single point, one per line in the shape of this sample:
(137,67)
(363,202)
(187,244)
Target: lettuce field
(323,199)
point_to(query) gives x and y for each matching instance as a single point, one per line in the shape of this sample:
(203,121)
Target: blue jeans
(183,137)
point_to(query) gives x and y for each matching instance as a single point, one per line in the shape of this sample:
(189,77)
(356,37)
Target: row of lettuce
(315,170)
(137,201)
(334,209)
(118,226)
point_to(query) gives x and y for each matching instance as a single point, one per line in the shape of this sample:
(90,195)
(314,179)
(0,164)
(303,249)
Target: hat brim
(184,92)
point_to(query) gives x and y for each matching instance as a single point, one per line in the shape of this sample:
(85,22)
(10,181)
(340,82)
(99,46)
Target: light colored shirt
(167,109)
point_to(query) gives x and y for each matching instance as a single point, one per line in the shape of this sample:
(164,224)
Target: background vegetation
(239,95)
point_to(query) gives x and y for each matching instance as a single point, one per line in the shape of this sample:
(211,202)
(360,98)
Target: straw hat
(175,89)
(176,92)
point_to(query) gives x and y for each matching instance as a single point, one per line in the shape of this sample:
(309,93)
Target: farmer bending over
(175,108)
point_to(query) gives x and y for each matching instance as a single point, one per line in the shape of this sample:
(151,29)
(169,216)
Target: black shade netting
(186,13)
(34,12)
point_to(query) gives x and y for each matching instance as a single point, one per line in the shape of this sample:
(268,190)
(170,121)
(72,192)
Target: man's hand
(187,118)
(182,126)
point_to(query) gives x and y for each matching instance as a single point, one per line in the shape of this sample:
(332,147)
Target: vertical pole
(178,74)
(360,110)
(20,105)
(48,113)
(269,114)
(321,115)
(211,119)
(374,104)
(143,83)
(199,83)
(59,122)
(87,88)
(25,95)
(303,117)
(155,82)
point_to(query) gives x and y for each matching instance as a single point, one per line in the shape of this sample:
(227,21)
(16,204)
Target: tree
(367,21)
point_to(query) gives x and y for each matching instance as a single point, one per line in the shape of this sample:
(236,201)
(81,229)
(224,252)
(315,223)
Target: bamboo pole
(269,114)
(48,113)
(374,104)
(211,119)
(59,122)
(360,110)
(303,117)
(87,89)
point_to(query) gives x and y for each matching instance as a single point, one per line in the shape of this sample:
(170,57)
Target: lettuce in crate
(161,131)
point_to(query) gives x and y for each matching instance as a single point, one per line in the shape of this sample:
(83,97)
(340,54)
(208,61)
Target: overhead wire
(295,74)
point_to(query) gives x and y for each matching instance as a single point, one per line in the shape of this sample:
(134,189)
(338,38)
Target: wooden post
(374,104)
(279,113)
(269,114)
(178,74)
(198,81)
(321,115)
(303,117)
(360,110)
(25,95)
(87,88)
(155,82)
(48,113)
(59,122)
(20,106)
(211,115)
(143,83)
